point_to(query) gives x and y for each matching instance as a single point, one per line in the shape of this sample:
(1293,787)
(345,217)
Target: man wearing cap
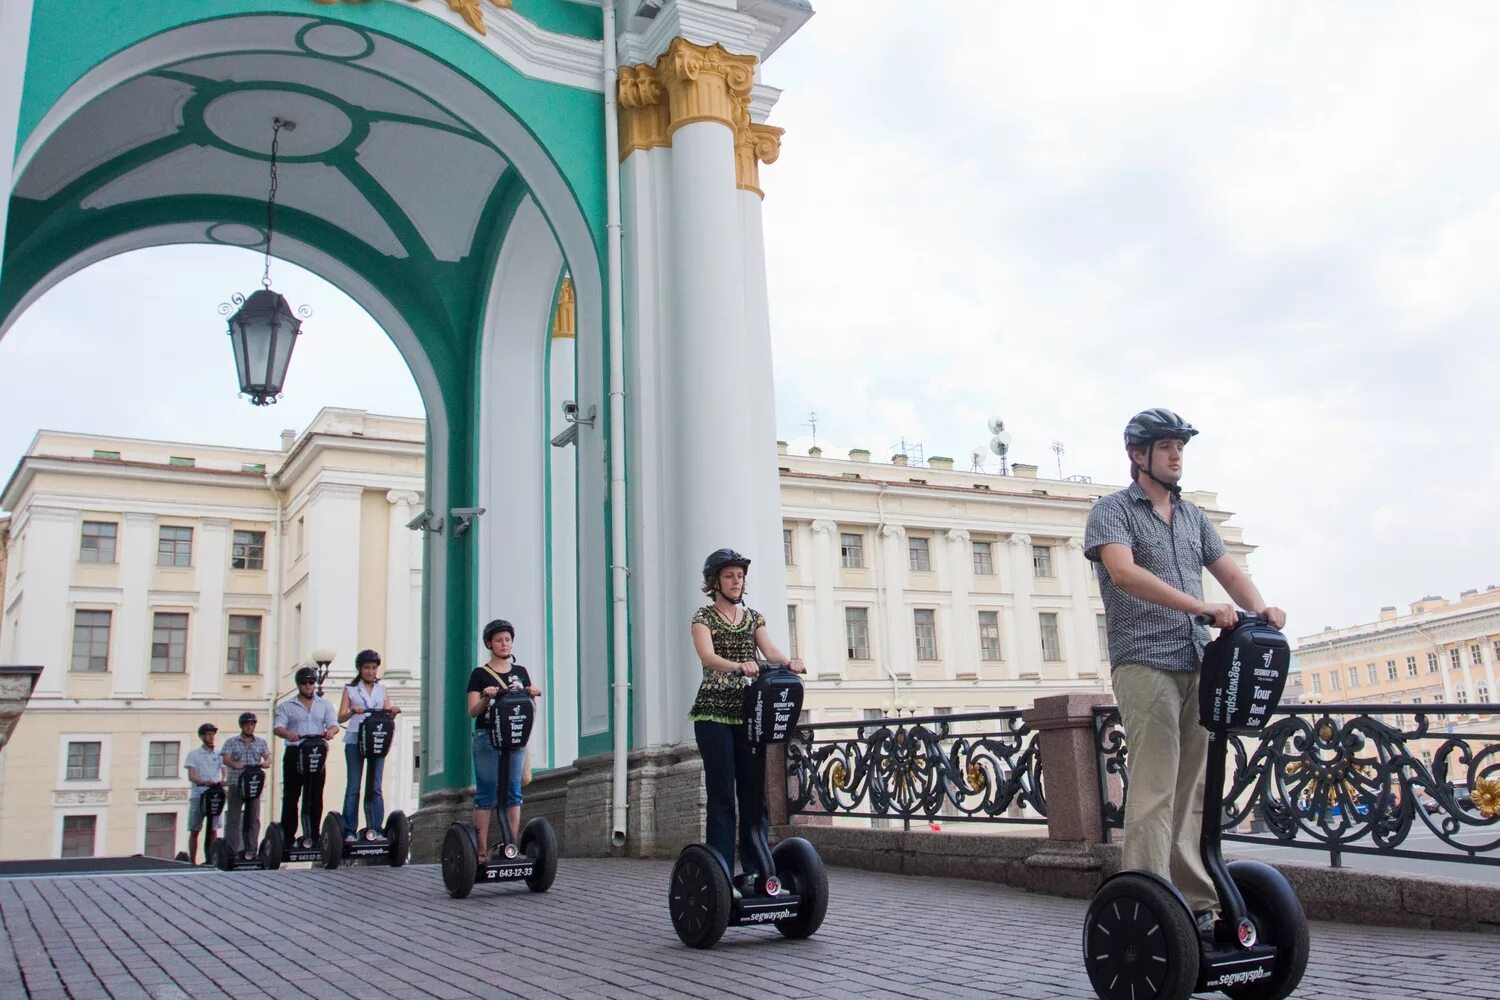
(296,719)
(204,768)
(242,751)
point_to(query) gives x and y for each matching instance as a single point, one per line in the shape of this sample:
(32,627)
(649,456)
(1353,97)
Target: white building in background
(934,590)
(163,585)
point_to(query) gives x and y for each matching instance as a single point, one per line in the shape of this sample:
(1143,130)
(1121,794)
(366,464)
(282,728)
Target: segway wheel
(700,897)
(331,840)
(539,843)
(398,832)
(460,859)
(222,856)
(1279,920)
(273,847)
(802,871)
(1139,940)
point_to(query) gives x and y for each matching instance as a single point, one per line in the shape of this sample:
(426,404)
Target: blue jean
(487,773)
(728,777)
(374,800)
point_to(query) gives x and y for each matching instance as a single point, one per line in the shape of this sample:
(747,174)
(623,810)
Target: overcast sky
(1281,220)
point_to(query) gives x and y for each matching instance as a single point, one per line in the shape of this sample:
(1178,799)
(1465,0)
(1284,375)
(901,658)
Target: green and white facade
(453,161)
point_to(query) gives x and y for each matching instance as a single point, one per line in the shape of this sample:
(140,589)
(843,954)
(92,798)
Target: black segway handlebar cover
(377,731)
(773,703)
(252,781)
(312,754)
(1244,672)
(213,800)
(509,720)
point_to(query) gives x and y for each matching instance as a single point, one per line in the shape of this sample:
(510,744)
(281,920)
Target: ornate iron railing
(1345,779)
(981,766)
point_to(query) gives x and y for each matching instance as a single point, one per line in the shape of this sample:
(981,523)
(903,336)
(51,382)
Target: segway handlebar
(765,666)
(1241,617)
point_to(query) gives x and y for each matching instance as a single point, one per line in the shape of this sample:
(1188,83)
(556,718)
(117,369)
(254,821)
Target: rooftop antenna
(1057,449)
(977,456)
(1000,442)
(812,421)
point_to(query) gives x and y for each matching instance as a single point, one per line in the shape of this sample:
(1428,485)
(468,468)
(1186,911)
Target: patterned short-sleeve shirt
(1139,631)
(721,696)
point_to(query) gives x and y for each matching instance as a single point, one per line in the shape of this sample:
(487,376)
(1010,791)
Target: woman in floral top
(727,635)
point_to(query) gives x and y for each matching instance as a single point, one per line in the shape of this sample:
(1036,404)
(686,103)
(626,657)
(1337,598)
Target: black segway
(787,886)
(1140,939)
(252,782)
(534,858)
(377,733)
(327,847)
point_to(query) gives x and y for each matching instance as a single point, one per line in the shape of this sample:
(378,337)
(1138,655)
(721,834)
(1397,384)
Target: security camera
(463,517)
(574,414)
(425,522)
(570,410)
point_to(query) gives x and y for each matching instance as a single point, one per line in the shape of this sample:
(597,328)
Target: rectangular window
(91,641)
(98,542)
(1417,700)
(78,836)
(1432,664)
(791,629)
(253,467)
(181,461)
(1101,626)
(244,644)
(1497,650)
(1051,644)
(1317,680)
(83,760)
(1390,670)
(918,555)
(161,759)
(786,546)
(1041,561)
(1353,677)
(1411,666)
(1482,693)
(249,550)
(1372,673)
(925,623)
(989,636)
(984,559)
(857,632)
(104,455)
(161,835)
(1476,653)
(1455,658)
(1462,696)
(872,714)
(169,630)
(174,546)
(1333,680)
(852,549)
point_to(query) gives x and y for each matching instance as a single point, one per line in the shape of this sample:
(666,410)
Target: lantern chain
(278,124)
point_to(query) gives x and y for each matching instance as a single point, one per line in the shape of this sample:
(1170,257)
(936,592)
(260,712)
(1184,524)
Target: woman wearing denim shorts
(486,684)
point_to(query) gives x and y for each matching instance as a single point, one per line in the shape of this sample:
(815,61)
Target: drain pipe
(619,568)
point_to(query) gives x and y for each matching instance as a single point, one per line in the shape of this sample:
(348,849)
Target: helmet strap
(1173,488)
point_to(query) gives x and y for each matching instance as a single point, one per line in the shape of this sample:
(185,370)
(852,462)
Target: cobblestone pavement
(603,931)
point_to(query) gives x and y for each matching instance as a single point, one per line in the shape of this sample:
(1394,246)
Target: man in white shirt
(297,719)
(204,768)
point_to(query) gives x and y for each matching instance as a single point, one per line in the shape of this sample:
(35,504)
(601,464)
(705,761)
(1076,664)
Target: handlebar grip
(1240,618)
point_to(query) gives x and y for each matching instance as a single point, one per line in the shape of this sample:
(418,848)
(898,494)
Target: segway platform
(392,845)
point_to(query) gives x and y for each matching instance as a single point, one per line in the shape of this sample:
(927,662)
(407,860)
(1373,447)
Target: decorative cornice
(894,531)
(565,317)
(410,497)
(959,536)
(469,10)
(823,526)
(1019,540)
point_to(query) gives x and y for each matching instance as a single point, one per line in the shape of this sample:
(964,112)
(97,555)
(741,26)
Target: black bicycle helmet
(247,717)
(207,727)
(720,560)
(366,656)
(1152,425)
(306,675)
(498,625)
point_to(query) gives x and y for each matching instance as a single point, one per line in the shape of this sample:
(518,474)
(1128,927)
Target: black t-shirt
(481,678)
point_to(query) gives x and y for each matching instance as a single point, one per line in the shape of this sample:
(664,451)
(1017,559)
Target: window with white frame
(791,629)
(1101,635)
(1496,649)
(174,546)
(1041,561)
(1372,674)
(918,555)
(1353,677)
(83,760)
(1317,681)
(984,558)
(989,636)
(1411,666)
(1461,696)
(161,835)
(249,550)
(169,634)
(91,641)
(1333,680)
(161,759)
(924,622)
(1432,663)
(244,644)
(1455,658)
(78,836)
(1051,643)
(857,633)
(1476,654)
(786,546)
(1482,693)
(852,549)
(1390,670)
(97,544)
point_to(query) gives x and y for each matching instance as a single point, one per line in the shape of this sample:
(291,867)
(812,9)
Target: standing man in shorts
(204,768)
(1150,548)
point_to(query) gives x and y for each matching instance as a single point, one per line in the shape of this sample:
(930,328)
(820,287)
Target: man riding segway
(307,723)
(245,752)
(205,770)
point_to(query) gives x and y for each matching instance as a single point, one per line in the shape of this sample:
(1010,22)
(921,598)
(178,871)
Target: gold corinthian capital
(695,83)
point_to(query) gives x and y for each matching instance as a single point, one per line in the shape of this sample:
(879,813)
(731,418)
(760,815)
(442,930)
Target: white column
(1445,667)
(15,36)
(562,699)
(49,546)
(963,631)
(826,630)
(900,646)
(331,612)
(399,624)
(1025,635)
(1084,656)
(208,629)
(1487,651)
(1466,664)
(131,644)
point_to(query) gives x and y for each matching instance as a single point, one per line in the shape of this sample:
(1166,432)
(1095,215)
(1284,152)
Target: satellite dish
(978,456)
(1000,443)
(996,425)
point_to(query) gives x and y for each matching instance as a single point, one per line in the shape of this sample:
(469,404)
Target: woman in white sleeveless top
(365,695)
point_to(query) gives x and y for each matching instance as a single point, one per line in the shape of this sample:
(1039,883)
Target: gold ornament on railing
(1486,797)
(838,776)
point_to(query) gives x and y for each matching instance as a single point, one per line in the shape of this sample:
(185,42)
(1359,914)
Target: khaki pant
(1168,754)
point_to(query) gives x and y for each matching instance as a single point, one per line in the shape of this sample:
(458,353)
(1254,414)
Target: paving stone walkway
(603,932)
